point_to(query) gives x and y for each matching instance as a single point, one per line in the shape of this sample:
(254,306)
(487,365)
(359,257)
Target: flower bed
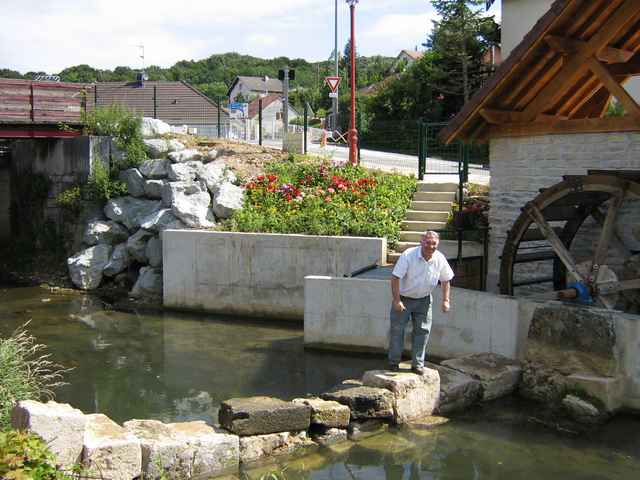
(316,198)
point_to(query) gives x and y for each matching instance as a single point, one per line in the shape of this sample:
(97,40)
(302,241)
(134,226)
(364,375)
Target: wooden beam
(582,125)
(627,13)
(500,117)
(608,230)
(614,87)
(568,46)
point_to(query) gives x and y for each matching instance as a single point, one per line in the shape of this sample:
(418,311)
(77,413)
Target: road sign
(239,110)
(333,82)
(333,94)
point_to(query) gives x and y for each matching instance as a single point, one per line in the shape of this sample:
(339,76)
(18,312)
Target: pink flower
(331,190)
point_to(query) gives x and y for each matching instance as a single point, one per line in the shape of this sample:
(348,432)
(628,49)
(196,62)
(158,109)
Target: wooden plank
(608,229)
(614,87)
(579,125)
(535,235)
(567,46)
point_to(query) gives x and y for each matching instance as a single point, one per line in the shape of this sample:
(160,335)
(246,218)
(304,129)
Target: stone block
(262,415)
(415,396)
(110,451)
(609,391)
(361,429)
(326,413)
(582,411)
(258,447)
(60,425)
(364,402)
(498,375)
(329,436)
(457,390)
(161,452)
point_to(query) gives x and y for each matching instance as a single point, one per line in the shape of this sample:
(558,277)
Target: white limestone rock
(172,190)
(175,145)
(118,262)
(212,155)
(60,425)
(215,174)
(110,451)
(152,127)
(415,396)
(155,169)
(134,180)
(161,452)
(85,267)
(99,231)
(194,210)
(184,172)
(582,411)
(153,188)
(257,447)
(149,283)
(153,251)
(187,155)
(227,200)
(162,220)
(137,245)
(156,147)
(327,413)
(130,211)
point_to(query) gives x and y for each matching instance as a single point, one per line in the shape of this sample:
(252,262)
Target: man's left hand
(446,306)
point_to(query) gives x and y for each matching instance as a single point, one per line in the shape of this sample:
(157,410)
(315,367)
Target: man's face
(429,245)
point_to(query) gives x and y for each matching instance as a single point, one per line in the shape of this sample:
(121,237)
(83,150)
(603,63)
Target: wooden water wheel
(547,227)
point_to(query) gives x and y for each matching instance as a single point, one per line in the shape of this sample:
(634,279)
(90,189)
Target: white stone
(153,252)
(215,174)
(99,231)
(153,188)
(172,189)
(134,180)
(175,145)
(227,200)
(152,127)
(581,410)
(137,245)
(161,220)
(130,211)
(184,172)
(194,210)
(187,155)
(330,436)
(156,147)
(257,447)
(149,283)
(155,169)
(85,267)
(415,396)
(161,452)
(109,450)
(118,262)
(60,425)
(212,154)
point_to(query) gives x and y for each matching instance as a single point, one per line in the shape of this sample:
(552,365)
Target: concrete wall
(521,166)
(478,321)
(255,274)
(5,200)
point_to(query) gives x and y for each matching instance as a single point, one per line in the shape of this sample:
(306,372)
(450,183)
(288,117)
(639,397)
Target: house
(272,122)
(252,87)
(176,103)
(544,116)
(406,58)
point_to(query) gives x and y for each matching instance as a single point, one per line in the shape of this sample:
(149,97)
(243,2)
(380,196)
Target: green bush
(102,185)
(70,200)
(25,373)
(310,197)
(25,456)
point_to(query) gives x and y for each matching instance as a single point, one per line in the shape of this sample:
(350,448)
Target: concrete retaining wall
(5,203)
(345,313)
(255,274)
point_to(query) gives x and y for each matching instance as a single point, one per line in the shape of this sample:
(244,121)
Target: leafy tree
(7,73)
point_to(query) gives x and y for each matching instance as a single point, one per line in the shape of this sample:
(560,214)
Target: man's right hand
(398,306)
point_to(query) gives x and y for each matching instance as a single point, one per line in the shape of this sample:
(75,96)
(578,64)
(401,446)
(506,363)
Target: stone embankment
(256,429)
(179,188)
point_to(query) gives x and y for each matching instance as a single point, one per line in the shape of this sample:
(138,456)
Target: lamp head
(352,3)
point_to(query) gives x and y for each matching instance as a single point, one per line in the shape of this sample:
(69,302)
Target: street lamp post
(353,131)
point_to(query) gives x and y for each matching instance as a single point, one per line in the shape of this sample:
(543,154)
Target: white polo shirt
(418,277)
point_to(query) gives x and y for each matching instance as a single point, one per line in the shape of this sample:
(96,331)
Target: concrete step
(437,187)
(419,226)
(431,206)
(449,248)
(434,196)
(411,236)
(426,216)
(392,257)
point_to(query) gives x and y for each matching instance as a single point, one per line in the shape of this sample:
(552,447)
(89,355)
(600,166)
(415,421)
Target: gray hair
(431,233)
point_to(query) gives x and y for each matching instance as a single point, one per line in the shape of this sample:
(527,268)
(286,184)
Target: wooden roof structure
(561,77)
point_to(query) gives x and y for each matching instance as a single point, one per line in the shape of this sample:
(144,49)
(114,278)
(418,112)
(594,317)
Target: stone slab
(60,425)
(109,450)
(330,436)
(609,391)
(498,375)
(326,413)
(364,402)
(259,447)
(262,415)
(161,453)
(361,429)
(458,391)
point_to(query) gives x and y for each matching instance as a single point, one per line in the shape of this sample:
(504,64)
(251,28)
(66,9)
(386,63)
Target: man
(415,275)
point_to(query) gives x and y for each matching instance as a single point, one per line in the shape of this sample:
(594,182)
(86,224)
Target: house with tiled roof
(253,87)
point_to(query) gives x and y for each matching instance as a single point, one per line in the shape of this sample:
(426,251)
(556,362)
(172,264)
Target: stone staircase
(430,210)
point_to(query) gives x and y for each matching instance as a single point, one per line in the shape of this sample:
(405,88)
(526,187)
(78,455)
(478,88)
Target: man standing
(415,275)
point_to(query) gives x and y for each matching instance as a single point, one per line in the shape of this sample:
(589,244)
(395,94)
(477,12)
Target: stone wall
(522,166)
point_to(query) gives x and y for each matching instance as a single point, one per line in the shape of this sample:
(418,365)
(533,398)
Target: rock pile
(179,188)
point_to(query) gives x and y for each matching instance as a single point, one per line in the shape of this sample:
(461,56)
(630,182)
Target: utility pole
(285,110)
(353,130)
(336,123)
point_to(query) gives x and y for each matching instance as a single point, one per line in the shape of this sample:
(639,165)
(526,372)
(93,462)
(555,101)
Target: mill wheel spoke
(616,239)
(605,288)
(565,256)
(608,229)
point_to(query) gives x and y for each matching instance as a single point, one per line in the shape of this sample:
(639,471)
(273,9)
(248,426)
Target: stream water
(176,367)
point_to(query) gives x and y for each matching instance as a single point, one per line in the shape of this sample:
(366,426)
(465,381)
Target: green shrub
(24,455)
(25,373)
(70,200)
(102,185)
(310,197)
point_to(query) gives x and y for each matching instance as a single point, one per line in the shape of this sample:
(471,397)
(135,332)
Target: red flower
(260,178)
(272,178)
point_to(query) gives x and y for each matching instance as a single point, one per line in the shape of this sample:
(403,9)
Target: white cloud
(400,30)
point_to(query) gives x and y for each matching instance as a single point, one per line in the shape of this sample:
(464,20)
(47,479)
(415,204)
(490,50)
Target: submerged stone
(326,413)
(457,390)
(257,447)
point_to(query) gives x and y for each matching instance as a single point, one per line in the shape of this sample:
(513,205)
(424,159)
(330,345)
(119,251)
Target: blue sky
(50,35)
